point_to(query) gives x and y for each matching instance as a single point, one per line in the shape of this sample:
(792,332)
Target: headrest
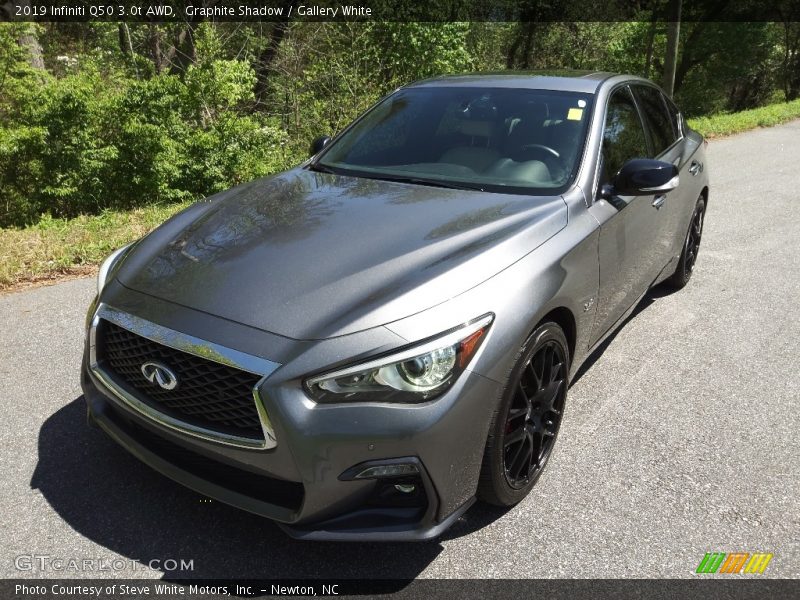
(476,128)
(535,112)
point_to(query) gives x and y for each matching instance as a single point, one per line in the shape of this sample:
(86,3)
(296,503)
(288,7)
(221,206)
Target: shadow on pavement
(112,499)
(649,298)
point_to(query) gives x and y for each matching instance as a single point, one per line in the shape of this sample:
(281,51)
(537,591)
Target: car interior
(517,138)
(526,145)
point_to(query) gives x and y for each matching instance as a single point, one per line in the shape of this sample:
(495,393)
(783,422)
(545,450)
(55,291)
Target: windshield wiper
(452,185)
(320,168)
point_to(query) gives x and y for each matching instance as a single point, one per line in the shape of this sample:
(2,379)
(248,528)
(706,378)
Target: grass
(729,123)
(55,248)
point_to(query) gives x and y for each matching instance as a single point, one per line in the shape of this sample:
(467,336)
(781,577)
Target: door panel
(627,255)
(664,134)
(671,210)
(633,239)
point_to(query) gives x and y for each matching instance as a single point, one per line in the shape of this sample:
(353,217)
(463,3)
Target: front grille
(209,394)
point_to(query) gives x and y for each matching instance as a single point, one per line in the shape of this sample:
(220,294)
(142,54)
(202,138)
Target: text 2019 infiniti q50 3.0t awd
(360,347)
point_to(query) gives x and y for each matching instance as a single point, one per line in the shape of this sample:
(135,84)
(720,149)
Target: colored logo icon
(734,562)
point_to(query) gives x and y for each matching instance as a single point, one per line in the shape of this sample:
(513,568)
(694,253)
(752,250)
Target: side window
(624,137)
(659,122)
(674,115)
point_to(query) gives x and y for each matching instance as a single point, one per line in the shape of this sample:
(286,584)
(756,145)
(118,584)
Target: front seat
(564,138)
(477,156)
(527,129)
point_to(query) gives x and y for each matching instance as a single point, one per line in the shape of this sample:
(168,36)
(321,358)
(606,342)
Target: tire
(525,425)
(691,246)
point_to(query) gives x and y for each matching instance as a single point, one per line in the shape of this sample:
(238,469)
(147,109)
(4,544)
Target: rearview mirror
(642,176)
(318,144)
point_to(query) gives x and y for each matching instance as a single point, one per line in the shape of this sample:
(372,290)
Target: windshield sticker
(575,114)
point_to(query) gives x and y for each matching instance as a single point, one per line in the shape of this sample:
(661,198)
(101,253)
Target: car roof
(563,80)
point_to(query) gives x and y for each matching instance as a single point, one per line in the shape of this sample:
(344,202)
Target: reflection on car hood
(310,255)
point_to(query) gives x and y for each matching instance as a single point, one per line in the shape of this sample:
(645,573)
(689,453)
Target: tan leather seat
(526,172)
(477,156)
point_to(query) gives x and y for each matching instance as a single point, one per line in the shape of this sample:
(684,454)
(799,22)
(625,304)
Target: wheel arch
(563,317)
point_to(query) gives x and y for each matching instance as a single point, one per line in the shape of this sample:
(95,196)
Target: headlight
(417,374)
(108,266)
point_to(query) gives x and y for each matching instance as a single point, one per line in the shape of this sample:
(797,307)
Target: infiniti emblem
(160,375)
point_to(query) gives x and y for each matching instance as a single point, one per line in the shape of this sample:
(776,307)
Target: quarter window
(624,137)
(659,122)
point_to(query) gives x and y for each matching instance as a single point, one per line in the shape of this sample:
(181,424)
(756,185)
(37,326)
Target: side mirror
(318,144)
(642,176)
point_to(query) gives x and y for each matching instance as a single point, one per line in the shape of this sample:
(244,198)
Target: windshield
(493,139)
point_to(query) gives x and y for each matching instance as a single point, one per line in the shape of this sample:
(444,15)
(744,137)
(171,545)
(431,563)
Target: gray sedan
(361,346)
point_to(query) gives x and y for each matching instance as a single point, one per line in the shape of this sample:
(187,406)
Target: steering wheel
(543,148)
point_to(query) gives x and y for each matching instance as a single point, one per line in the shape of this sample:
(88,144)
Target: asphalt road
(680,439)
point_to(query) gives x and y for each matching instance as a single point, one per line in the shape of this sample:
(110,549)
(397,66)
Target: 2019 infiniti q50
(361,346)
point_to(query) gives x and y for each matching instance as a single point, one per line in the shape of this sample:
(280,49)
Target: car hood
(311,255)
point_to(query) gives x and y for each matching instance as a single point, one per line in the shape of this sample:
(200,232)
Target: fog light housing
(398,484)
(384,471)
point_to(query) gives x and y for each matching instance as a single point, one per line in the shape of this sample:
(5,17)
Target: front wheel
(691,246)
(526,423)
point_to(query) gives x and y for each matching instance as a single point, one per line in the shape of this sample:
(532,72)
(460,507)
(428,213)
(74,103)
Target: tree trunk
(688,58)
(264,63)
(528,44)
(30,42)
(125,42)
(155,49)
(671,58)
(267,58)
(28,39)
(184,50)
(511,56)
(790,67)
(648,54)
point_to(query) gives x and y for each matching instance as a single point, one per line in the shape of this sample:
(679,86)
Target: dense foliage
(98,116)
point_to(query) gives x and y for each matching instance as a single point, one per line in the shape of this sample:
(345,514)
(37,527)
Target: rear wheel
(691,246)
(525,426)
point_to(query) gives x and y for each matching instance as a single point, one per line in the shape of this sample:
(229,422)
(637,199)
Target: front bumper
(297,482)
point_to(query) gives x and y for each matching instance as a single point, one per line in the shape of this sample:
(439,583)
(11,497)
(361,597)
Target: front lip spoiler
(425,533)
(360,525)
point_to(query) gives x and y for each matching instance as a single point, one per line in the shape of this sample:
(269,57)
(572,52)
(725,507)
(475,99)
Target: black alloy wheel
(525,427)
(535,415)
(691,247)
(693,238)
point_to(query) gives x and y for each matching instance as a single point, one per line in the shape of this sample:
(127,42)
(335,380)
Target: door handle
(695,167)
(658,202)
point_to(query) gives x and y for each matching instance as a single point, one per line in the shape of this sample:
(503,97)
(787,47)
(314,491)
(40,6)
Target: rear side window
(658,119)
(624,137)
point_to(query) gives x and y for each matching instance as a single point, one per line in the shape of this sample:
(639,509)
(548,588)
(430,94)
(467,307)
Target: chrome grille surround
(189,345)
